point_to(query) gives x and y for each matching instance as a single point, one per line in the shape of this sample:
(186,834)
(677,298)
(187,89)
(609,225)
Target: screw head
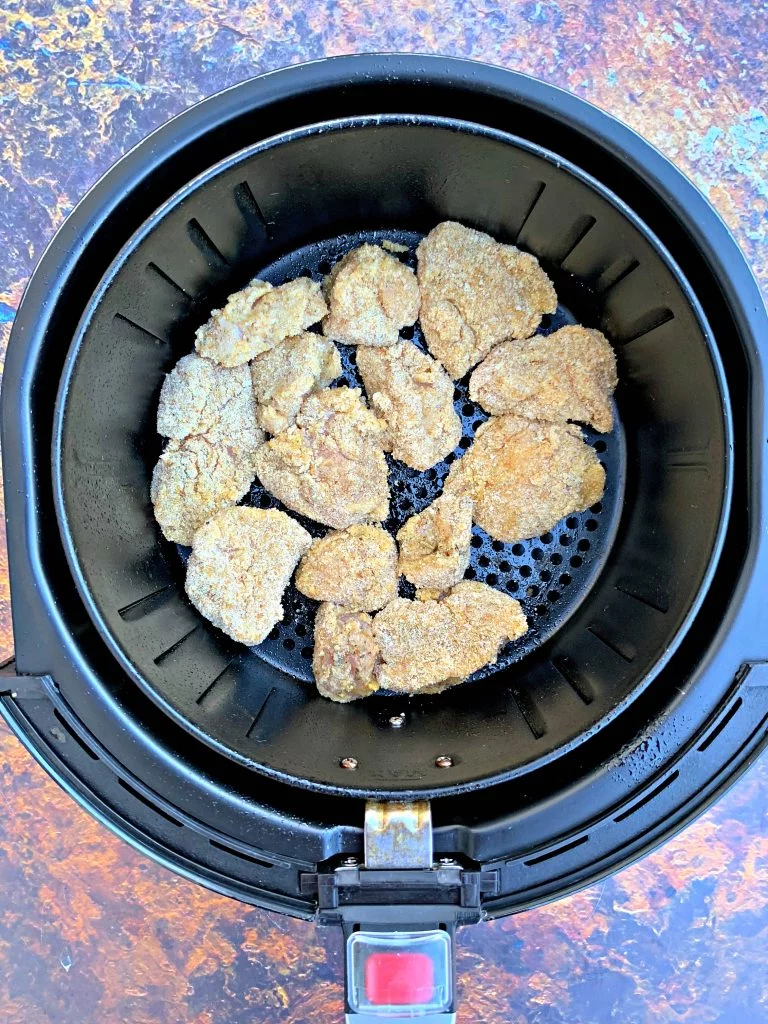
(350,862)
(447,861)
(350,763)
(444,761)
(397,721)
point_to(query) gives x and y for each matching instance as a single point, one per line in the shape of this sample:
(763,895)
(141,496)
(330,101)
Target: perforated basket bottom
(549,575)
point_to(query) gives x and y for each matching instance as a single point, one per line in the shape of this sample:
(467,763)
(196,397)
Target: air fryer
(639,691)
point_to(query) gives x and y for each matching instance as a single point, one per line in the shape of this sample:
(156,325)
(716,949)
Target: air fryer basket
(608,592)
(641,692)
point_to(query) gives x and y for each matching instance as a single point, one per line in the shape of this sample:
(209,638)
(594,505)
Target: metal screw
(350,862)
(397,721)
(444,761)
(348,762)
(447,861)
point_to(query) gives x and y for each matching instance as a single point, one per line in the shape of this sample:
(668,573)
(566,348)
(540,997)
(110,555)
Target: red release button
(399,979)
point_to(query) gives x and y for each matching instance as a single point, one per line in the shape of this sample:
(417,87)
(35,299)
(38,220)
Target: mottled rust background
(92,933)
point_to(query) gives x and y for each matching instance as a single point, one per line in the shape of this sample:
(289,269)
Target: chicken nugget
(414,396)
(371,296)
(435,544)
(476,292)
(485,619)
(429,645)
(524,476)
(330,465)
(199,397)
(257,318)
(345,655)
(284,376)
(417,646)
(567,375)
(242,560)
(356,567)
(193,479)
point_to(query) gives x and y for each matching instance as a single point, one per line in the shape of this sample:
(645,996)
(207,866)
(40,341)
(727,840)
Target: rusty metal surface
(92,932)
(398,835)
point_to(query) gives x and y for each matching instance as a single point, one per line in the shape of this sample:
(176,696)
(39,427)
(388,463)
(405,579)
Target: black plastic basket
(640,690)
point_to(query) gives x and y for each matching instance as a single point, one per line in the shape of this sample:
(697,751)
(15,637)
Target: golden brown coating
(284,376)
(345,655)
(431,594)
(524,476)
(427,646)
(391,246)
(199,397)
(192,480)
(371,296)
(256,318)
(330,464)
(567,375)
(476,292)
(356,568)
(434,545)
(485,620)
(242,560)
(414,396)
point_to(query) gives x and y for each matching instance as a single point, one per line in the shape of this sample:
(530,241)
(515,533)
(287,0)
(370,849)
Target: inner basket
(549,574)
(608,593)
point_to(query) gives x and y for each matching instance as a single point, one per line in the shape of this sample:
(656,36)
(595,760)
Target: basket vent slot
(577,234)
(175,646)
(537,196)
(656,602)
(569,671)
(646,323)
(153,267)
(73,735)
(240,855)
(648,796)
(148,335)
(617,276)
(211,686)
(718,728)
(253,728)
(556,853)
(250,210)
(624,651)
(533,717)
(202,241)
(145,605)
(150,804)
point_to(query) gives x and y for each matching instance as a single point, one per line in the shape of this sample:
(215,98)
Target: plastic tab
(400,975)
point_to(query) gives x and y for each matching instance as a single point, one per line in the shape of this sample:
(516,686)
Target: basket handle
(399,912)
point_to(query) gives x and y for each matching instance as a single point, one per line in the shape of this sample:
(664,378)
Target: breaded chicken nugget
(371,296)
(567,375)
(356,567)
(192,480)
(434,545)
(255,319)
(524,476)
(284,376)
(242,560)
(345,654)
(427,646)
(476,292)
(330,465)
(199,397)
(414,396)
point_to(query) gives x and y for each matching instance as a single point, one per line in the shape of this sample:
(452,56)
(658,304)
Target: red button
(399,979)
